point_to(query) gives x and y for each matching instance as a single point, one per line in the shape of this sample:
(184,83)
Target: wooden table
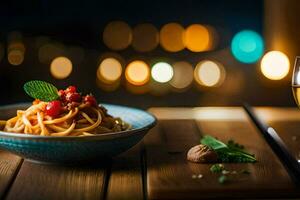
(157,167)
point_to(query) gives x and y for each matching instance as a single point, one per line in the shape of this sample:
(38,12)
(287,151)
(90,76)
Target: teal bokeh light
(247,46)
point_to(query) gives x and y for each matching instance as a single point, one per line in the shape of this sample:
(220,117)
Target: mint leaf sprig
(41,90)
(228,153)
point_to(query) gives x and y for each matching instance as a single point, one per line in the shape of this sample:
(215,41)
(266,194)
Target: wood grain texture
(169,175)
(9,165)
(278,113)
(286,122)
(41,181)
(126,180)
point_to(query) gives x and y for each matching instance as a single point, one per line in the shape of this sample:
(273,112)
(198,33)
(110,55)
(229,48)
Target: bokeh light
(109,70)
(209,73)
(61,67)
(145,37)
(15,53)
(117,35)
(183,75)
(197,38)
(172,37)
(275,65)
(162,72)
(137,72)
(15,57)
(247,46)
(15,48)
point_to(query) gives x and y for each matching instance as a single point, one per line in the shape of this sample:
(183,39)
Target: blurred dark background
(79,25)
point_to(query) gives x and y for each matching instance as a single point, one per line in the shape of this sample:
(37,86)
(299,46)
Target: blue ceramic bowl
(74,150)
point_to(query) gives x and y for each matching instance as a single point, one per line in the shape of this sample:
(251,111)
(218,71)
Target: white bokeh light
(275,65)
(162,72)
(209,73)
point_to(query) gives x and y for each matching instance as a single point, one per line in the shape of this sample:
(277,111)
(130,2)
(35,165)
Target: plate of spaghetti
(64,126)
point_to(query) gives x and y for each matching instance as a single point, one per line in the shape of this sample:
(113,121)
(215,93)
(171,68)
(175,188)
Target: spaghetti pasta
(73,118)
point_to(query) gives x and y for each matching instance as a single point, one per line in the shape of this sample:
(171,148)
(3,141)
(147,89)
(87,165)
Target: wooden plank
(126,179)
(9,163)
(168,113)
(9,166)
(41,181)
(286,122)
(175,140)
(278,113)
(169,175)
(199,113)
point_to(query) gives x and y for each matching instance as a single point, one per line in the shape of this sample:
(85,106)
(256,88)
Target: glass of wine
(296,81)
(296,86)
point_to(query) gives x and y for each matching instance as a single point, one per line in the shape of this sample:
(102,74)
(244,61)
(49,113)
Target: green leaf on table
(41,90)
(231,153)
(234,145)
(213,143)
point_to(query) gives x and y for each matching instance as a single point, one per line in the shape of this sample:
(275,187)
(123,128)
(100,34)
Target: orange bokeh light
(145,37)
(197,38)
(117,35)
(172,37)
(61,67)
(137,72)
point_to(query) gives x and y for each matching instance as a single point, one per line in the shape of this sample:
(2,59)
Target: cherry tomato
(61,92)
(53,108)
(71,89)
(62,95)
(90,100)
(73,97)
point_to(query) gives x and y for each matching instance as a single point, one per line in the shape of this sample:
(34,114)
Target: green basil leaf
(213,143)
(41,90)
